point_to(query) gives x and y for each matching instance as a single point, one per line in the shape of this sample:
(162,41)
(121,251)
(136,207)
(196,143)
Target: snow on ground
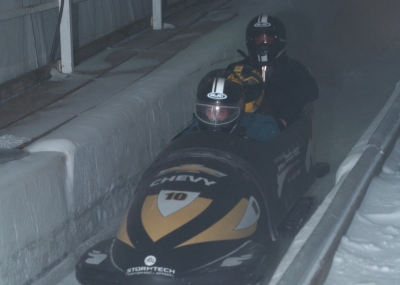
(370,251)
(10,141)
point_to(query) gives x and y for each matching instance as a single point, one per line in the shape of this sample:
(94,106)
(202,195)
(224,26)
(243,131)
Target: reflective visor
(263,39)
(216,115)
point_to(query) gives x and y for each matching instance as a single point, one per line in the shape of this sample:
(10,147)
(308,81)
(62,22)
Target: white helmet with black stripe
(219,105)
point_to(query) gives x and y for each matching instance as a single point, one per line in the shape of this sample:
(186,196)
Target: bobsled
(208,211)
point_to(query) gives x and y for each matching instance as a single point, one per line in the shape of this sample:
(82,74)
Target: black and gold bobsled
(207,211)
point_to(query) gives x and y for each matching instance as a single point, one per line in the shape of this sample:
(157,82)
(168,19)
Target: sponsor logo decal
(141,270)
(286,161)
(182,178)
(235,261)
(171,201)
(286,157)
(96,257)
(309,155)
(217,96)
(169,210)
(150,260)
(194,168)
(262,25)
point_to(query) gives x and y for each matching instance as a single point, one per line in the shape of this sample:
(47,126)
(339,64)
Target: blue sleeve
(259,127)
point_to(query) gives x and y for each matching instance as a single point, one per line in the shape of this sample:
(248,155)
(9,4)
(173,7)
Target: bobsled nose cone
(145,260)
(96,266)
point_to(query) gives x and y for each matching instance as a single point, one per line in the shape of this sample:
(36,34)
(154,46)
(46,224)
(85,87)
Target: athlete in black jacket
(288,85)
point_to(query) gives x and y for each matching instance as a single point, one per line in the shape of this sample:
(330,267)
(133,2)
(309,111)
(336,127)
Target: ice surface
(168,26)
(369,253)
(373,235)
(58,76)
(392,164)
(10,141)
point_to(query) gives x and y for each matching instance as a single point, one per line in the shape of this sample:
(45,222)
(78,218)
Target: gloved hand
(251,79)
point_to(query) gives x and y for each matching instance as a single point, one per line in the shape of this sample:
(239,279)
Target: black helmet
(211,75)
(219,105)
(265,38)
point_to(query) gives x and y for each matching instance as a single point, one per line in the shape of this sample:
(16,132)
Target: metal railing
(33,9)
(66,36)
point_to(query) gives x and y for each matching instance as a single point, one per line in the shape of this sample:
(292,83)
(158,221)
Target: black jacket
(288,87)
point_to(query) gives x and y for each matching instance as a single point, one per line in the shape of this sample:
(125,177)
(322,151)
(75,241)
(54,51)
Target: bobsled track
(74,148)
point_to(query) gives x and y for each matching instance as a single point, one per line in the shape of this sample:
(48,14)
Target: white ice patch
(10,141)
(167,26)
(347,165)
(392,218)
(58,76)
(66,147)
(353,245)
(392,163)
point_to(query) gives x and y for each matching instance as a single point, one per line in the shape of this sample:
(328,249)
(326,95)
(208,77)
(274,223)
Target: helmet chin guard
(265,38)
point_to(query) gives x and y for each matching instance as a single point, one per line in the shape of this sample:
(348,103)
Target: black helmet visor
(263,39)
(216,115)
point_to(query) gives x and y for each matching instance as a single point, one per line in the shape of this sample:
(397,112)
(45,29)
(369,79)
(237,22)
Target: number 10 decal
(177,196)
(171,201)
